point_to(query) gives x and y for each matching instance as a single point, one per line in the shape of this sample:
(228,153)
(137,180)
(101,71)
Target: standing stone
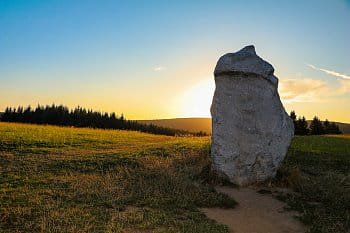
(251,129)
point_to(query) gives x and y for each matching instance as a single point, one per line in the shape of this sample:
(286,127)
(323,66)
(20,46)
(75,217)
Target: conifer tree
(326,127)
(301,126)
(293,116)
(316,126)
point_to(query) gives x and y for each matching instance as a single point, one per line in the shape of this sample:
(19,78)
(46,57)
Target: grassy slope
(321,167)
(83,180)
(190,124)
(204,124)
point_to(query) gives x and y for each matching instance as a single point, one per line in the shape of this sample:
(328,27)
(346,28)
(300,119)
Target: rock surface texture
(251,130)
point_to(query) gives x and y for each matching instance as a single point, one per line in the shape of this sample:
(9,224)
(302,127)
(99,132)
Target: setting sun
(196,101)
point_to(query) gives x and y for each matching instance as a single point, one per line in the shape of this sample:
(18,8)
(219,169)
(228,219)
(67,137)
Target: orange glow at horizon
(193,101)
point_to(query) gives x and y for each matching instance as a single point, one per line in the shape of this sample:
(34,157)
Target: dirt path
(255,213)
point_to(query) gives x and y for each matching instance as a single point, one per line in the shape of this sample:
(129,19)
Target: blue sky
(147,58)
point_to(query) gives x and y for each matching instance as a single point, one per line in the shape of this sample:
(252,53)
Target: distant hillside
(190,124)
(345,128)
(204,124)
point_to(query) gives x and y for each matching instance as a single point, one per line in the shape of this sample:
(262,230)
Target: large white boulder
(251,130)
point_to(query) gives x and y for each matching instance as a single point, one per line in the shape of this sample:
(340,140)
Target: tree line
(80,117)
(316,127)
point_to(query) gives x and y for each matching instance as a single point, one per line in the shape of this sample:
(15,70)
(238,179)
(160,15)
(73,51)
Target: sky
(154,59)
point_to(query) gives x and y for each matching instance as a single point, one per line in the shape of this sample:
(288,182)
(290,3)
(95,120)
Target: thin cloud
(311,90)
(159,68)
(330,72)
(303,90)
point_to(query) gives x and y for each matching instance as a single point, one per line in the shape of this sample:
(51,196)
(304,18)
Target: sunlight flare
(196,101)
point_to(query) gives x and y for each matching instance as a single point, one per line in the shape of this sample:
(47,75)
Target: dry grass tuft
(288,177)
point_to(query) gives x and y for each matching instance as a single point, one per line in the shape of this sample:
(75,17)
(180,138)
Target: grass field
(319,166)
(55,179)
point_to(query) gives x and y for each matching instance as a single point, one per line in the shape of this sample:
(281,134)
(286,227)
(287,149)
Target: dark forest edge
(81,117)
(316,126)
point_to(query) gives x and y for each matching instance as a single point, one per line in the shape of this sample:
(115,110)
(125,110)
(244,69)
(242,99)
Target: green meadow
(318,168)
(62,179)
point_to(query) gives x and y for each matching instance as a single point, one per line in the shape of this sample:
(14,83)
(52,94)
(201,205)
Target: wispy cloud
(302,90)
(311,90)
(330,72)
(159,68)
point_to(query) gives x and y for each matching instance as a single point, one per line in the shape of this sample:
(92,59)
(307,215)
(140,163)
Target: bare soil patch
(257,212)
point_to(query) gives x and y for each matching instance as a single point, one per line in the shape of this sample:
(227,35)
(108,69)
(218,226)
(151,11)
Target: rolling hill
(204,124)
(190,124)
